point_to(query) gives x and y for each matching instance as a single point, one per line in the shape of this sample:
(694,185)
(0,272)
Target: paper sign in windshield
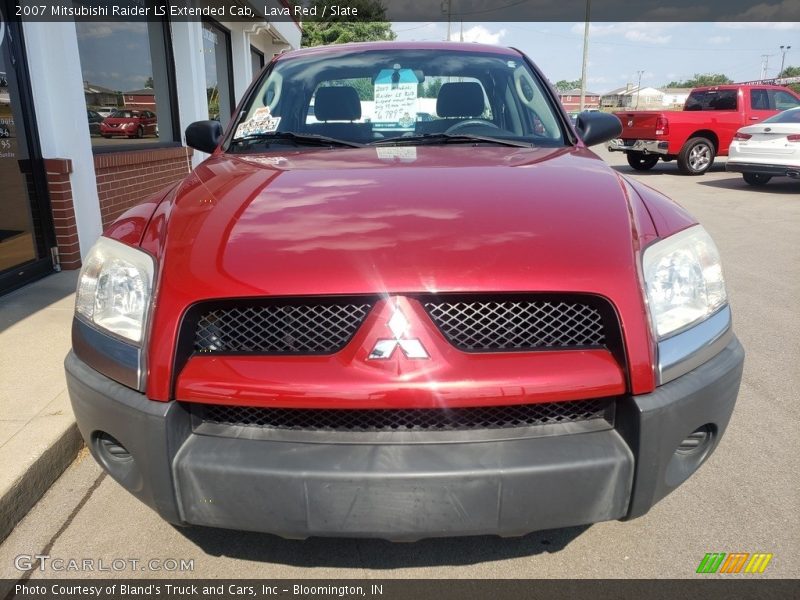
(395,100)
(261,122)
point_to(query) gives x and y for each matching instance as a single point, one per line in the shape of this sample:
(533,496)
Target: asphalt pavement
(744,499)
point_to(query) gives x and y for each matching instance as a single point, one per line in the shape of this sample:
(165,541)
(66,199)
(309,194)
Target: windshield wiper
(298,138)
(448,138)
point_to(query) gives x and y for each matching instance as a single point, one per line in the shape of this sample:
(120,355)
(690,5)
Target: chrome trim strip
(645,146)
(681,353)
(106,354)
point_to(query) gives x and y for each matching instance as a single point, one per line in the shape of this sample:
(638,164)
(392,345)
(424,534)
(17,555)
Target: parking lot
(745,499)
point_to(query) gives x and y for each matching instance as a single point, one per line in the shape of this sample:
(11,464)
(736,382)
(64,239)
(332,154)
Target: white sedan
(769,149)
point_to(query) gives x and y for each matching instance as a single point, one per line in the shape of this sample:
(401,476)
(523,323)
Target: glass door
(26,231)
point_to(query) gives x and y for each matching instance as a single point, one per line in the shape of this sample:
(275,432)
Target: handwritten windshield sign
(395,100)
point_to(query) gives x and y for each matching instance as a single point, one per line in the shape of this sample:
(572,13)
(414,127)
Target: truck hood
(399,219)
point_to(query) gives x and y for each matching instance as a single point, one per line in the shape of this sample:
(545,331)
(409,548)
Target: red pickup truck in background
(701,131)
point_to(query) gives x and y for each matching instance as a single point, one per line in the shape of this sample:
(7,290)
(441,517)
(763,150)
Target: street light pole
(447,8)
(638,88)
(585,55)
(784,50)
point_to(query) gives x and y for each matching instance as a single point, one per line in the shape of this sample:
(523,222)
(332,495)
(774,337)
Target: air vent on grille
(279,328)
(503,325)
(423,419)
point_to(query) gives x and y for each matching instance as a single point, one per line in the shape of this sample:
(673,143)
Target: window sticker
(395,100)
(262,121)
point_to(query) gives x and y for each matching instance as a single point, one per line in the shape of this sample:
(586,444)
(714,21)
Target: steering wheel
(471,123)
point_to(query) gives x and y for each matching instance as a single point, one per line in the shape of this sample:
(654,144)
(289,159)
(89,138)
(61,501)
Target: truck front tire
(696,156)
(641,161)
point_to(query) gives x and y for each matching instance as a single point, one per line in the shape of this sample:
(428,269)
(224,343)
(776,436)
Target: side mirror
(204,135)
(598,127)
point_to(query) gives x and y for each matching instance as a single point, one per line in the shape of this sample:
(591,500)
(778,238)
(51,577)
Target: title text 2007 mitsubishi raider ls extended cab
(359,321)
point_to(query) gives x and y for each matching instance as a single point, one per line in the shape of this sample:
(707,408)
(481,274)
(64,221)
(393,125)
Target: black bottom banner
(397,589)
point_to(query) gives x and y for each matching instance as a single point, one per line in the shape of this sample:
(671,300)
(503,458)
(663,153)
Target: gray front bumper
(404,491)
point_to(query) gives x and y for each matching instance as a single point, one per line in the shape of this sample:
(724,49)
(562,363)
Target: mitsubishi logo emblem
(399,326)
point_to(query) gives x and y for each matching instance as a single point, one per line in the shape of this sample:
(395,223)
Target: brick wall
(60,191)
(126,178)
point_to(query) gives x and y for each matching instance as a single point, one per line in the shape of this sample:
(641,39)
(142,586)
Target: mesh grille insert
(424,419)
(279,328)
(503,325)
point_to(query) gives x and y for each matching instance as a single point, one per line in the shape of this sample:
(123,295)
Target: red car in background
(403,328)
(129,123)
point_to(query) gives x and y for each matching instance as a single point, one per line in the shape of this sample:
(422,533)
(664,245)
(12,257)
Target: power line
(489,10)
(669,47)
(429,23)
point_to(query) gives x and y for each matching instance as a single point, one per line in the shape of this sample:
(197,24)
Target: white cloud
(719,39)
(783,13)
(479,34)
(87,30)
(645,33)
(778,25)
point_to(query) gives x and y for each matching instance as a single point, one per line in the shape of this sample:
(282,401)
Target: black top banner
(410,10)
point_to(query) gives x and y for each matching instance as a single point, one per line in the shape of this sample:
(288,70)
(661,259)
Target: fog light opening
(698,441)
(111,448)
(115,458)
(690,454)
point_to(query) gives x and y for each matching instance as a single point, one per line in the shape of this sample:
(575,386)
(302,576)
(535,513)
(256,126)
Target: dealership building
(92,116)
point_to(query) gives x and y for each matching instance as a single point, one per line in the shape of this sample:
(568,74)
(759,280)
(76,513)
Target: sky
(617,51)
(116,55)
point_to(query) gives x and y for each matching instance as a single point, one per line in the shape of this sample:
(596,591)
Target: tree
(149,83)
(432,88)
(790,72)
(700,80)
(371,25)
(364,88)
(565,86)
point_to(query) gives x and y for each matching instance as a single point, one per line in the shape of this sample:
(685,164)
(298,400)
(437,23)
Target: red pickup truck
(701,131)
(403,328)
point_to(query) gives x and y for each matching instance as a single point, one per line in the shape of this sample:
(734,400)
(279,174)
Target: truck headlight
(683,279)
(114,289)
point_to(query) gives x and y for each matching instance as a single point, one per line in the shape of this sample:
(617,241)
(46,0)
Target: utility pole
(446,8)
(585,55)
(764,65)
(784,50)
(638,87)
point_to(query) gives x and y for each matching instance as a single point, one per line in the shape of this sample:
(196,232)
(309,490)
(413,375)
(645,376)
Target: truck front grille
(422,419)
(501,324)
(279,328)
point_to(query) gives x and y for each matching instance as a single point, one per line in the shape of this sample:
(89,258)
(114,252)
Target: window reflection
(216,54)
(125,81)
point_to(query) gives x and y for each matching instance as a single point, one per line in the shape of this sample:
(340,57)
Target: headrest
(460,99)
(337,104)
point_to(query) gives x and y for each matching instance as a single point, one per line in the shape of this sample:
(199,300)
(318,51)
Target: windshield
(788,116)
(381,96)
(124,114)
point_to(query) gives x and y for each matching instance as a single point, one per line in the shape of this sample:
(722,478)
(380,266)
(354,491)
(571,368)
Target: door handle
(754,118)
